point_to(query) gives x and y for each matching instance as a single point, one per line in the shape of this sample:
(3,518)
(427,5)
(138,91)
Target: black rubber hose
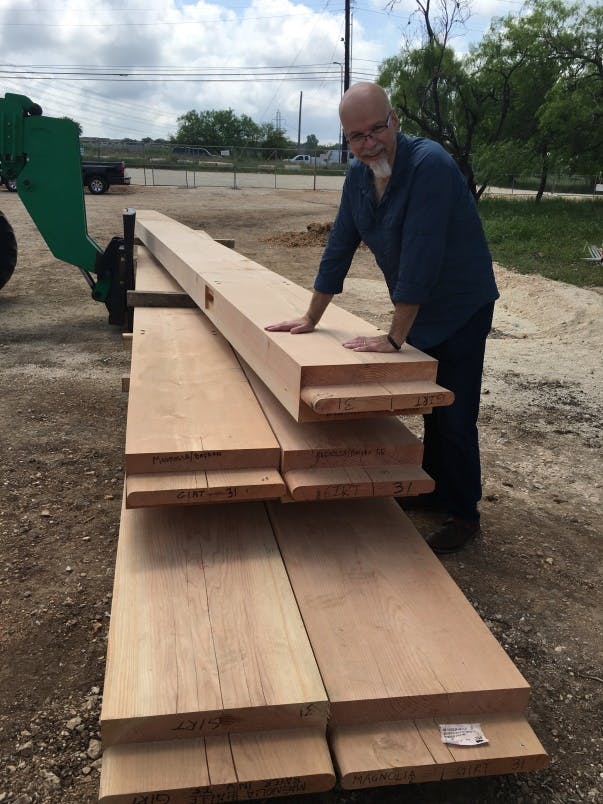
(8,251)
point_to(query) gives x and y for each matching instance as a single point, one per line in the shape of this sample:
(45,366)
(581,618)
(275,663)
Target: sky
(129,68)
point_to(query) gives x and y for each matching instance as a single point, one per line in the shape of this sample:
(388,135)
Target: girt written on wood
(241,297)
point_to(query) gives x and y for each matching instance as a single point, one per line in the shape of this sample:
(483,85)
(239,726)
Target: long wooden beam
(190,406)
(392,633)
(210,770)
(205,635)
(406,752)
(241,297)
(197,488)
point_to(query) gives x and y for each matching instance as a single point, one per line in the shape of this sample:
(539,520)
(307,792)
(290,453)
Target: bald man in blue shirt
(407,200)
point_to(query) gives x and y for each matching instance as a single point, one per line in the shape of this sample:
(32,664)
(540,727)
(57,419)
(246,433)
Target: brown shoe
(453,535)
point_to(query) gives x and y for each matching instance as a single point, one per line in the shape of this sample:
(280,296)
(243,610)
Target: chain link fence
(161,164)
(169,164)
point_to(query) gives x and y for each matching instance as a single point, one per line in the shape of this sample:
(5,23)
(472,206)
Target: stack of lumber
(313,378)
(237,632)
(202,427)
(266,649)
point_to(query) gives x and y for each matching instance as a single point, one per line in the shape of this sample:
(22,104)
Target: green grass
(546,238)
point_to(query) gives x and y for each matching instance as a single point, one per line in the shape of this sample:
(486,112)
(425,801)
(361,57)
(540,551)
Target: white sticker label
(462,734)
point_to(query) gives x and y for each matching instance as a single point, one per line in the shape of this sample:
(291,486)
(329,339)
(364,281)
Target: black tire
(8,251)
(11,185)
(98,185)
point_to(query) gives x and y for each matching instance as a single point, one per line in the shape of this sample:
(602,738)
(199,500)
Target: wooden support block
(146,298)
(193,488)
(126,340)
(217,769)
(405,752)
(205,635)
(190,406)
(242,297)
(349,482)
(393,635)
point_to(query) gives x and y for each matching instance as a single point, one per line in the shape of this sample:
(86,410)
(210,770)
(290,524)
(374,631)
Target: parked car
(96,176)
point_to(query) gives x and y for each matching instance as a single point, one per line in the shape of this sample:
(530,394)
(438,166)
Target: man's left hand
(378,343)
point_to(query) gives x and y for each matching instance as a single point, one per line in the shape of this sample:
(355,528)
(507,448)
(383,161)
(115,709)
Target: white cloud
(282,35)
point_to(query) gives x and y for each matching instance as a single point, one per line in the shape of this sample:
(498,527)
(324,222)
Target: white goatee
(381,168)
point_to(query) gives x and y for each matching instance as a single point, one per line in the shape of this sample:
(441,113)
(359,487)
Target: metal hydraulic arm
(43,155)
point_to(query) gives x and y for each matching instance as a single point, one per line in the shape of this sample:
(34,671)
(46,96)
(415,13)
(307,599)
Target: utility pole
(346,74)
(299,122)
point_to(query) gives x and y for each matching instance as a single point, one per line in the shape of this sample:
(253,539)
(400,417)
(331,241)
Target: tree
(216,127)
(548,63)
(432,89)
(273,138)
(311,144)
(573,114)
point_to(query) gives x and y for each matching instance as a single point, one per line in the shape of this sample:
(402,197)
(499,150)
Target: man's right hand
(296,327)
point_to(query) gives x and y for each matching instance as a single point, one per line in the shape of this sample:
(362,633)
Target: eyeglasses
(357,138)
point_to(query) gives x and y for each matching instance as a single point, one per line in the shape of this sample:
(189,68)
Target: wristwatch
(397,346)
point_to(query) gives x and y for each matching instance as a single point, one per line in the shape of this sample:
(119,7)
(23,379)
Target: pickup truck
(306,159)
(96,176)
(99,176)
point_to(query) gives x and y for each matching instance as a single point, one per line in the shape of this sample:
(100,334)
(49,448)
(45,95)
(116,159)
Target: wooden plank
(306,414)
(217,769)
(406,752)
(366,442)
(151,276)
(190,405)
(393,635)
(388,397)
(241,297)
(194,488)
(147,298)
(352,482)
(205,635)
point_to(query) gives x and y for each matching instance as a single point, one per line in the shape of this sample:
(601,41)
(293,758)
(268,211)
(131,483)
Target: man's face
(370,127)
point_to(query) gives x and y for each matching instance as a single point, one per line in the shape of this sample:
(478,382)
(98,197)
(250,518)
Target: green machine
(42,155)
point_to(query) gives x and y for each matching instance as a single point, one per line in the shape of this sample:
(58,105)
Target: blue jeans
(451,443)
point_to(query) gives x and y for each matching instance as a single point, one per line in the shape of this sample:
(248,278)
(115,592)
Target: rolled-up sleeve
(424,230)
(339,252)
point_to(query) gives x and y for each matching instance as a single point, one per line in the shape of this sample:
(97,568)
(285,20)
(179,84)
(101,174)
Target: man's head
(370,126)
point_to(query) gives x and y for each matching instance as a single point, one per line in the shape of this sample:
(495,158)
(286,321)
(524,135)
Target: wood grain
(352,482)
(406,752)
(205,634)
(392,633)
(329,444)
(196,488)
(217,769)
(241,297)
(190,405)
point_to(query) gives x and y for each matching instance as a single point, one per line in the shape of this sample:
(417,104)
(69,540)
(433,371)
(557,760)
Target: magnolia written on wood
(310,375)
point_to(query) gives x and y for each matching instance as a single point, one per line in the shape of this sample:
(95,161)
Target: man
(408,201)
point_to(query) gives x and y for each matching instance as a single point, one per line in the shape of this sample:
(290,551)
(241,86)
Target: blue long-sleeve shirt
(425,234)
